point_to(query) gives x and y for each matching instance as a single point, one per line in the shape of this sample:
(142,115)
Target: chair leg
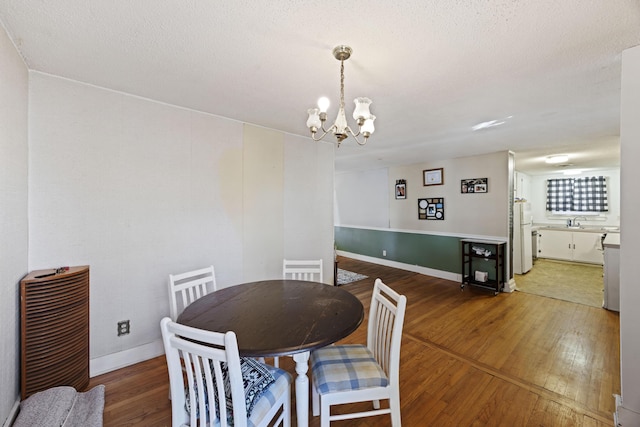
(315,400)
(325,413)
(286,409)
(394,405)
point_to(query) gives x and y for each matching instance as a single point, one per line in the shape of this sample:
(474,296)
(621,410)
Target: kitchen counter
(582,228)
(612,240)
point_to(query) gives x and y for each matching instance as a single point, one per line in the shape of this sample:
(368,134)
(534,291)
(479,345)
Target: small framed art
(474,185)
(431,208)
(433,176)
(401,189)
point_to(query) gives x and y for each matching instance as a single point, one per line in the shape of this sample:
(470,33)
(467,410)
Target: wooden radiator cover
(54,330)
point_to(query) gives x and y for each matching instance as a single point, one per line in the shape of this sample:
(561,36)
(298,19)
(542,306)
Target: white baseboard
(402,266)
(111,362)
(507,286)
(13,414)
(624,417)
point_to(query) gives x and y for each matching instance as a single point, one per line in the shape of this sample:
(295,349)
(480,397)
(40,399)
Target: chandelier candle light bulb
(340,128)
(323,104)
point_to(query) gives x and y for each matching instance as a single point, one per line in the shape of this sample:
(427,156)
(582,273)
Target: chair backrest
(302,270)
(187,287)
(384,330)
(194,358)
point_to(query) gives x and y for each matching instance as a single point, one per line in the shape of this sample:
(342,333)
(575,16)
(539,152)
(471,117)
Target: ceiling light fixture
(340,128)
(560,158)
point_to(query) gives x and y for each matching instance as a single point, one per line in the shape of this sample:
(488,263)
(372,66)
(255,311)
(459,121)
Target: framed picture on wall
(433,176)
(474,185)
(401,189)
(431,208)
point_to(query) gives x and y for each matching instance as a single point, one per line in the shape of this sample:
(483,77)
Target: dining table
(279,318)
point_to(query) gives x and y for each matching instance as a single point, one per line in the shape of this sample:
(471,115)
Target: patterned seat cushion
(263,385)
(346,367)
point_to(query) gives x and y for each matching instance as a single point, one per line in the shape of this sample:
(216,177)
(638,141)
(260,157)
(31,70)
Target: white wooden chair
(302,270)
(196,379)
(187,287)
(355,373)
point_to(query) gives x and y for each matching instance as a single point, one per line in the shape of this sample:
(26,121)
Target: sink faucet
(575,220)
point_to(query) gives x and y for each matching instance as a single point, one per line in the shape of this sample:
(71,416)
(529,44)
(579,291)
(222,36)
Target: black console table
(483,263)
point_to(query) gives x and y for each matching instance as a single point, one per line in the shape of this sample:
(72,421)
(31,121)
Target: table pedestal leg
(302,388)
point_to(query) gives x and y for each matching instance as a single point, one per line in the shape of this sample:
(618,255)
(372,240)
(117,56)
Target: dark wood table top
(277,317)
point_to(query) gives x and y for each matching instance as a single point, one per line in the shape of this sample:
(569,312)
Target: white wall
(138,189)
(362,198)
(468,214)
(308,199)
(538,198)
(367,199)
(288,203)
(13,215)
(263,207)
(629,412)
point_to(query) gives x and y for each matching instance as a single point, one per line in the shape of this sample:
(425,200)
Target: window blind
(590,194)
(577,194)
(559,194)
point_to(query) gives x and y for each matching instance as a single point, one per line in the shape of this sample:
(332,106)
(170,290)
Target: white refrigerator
(522,256)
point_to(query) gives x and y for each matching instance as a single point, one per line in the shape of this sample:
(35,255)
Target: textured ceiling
(433,68)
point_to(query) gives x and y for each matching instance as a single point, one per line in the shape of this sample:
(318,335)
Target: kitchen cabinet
(587,247)
(555,244)
(579,246)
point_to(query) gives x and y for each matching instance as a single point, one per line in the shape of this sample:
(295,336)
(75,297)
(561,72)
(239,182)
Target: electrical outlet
(123,327)
(384,252)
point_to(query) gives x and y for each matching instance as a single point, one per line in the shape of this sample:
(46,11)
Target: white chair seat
(346,367)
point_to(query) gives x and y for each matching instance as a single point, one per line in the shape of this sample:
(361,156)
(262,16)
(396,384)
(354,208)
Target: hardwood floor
(468,359)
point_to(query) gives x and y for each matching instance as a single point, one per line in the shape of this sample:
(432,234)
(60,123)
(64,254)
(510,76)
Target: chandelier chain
(342,84)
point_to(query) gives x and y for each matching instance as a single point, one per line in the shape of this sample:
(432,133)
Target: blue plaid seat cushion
(269,395)
(346,367)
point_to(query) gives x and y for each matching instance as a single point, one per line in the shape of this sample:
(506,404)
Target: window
(577,194)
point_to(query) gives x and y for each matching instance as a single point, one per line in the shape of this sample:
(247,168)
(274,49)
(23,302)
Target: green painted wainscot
(425,250)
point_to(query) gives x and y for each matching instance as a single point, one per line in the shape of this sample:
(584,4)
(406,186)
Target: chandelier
(340,128)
